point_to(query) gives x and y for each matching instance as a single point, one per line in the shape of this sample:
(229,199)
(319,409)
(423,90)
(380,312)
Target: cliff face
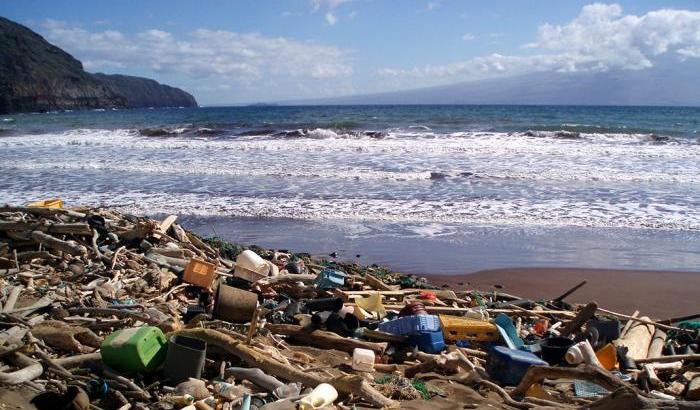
(38,76)
(144,92)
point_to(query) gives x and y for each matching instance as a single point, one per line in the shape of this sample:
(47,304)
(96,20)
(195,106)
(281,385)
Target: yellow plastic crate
(47,203)
(456,328)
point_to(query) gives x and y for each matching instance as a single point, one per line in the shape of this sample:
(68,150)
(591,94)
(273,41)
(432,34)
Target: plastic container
(135,350)
(410,325)
(608,330)
(363,360)
(330,279)
(508,331)
(323,395)
(554,349)
(428,342)
(323,305)
(200,273)
(47,203)
(607,356)
(582,352)
(250,266)
(234,305)
(185,358)
(459,328)
(508,366)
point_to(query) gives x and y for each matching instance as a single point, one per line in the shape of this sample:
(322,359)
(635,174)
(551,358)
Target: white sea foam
(616,180)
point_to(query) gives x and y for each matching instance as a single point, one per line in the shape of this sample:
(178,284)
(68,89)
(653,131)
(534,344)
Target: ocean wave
(519,212)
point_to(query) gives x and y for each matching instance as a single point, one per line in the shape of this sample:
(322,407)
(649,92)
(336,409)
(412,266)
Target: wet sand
(657,294)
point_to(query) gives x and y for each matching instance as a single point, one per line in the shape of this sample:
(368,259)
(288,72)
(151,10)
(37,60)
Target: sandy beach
(657,294)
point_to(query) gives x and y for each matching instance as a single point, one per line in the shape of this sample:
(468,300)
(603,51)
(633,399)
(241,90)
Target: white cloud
(468,37)
(218,55)
(600,38)
(331,19)
(431,5)
(330,4)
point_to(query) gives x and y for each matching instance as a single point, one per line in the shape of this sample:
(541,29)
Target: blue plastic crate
(410,325)
(330,279)
(508,366)
(428,342)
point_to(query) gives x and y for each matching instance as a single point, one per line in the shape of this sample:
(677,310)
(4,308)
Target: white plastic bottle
(323,395)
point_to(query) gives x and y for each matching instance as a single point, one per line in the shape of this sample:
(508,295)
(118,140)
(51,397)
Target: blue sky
(238,52)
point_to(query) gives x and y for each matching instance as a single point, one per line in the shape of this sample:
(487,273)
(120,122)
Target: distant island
(37,76)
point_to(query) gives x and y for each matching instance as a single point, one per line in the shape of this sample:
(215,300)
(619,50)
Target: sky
(231,52)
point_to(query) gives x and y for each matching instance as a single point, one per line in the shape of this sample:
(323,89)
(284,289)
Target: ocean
(423,189)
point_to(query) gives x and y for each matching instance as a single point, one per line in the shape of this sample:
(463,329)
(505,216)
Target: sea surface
(443,189)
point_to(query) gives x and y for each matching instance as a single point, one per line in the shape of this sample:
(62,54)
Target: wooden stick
(569,292)
(82,229)
(121,313)
(323,339)
(647,321)
(59,245)
(671,358)
(679,319)
(629,323)
(253,326)
(376,283)
(12,299)
(582,317)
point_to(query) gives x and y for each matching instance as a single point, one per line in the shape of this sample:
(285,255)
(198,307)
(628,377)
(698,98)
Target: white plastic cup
(363,360)
(323,395)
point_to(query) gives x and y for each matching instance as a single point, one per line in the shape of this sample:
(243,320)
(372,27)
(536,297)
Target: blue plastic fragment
(583,388)
(330,279)
(510,334)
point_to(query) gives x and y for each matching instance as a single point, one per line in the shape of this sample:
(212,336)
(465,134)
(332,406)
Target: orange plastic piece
(200,273)
(427,295)
(47,203)
(456,328)
(607,356)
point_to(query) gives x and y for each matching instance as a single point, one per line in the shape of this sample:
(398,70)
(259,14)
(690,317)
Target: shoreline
(656,293)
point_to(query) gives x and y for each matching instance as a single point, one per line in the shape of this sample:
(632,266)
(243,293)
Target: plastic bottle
(184,400)
(227,390)
(323,395)
(582,352)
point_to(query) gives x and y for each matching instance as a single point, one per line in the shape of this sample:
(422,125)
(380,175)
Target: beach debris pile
(100,309)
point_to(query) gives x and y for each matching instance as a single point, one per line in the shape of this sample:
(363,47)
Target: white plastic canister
(250,266)
(363,360)
(323,395)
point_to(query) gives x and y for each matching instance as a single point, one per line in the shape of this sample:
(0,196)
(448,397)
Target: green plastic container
(135,350)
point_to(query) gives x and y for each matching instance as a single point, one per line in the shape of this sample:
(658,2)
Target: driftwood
(48,227)
(69,247)
(323,339)
(346,384)
(120,313)
(376,283)
(628,398)
(536,374)
(672,358)
(657,343)
(31,370)
(637,340)
(582,317)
